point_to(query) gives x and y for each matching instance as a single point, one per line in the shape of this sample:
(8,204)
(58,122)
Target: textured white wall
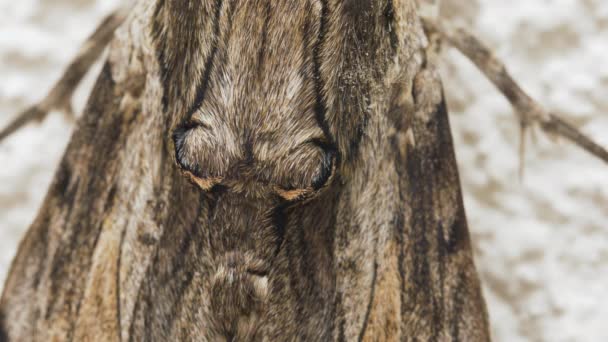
(37,40)
(541,244)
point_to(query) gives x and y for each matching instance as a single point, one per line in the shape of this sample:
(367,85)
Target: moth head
(282,166)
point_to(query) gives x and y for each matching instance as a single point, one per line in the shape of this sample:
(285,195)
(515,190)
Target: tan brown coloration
(61,94)
(528,110)
(292,195)
(247,97)
(204,183)
(385,315)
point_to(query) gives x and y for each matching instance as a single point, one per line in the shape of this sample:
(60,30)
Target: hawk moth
(255,170)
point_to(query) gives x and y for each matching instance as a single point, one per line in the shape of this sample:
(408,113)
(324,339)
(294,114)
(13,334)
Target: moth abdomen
(238,296)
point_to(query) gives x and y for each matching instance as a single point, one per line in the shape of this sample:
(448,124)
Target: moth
(255,170)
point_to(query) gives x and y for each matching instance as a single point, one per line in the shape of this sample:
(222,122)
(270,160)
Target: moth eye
(187,157)
(318,173)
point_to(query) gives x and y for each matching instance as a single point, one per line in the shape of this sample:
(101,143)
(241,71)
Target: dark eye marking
(179,140)
(258,272)
(327,165)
